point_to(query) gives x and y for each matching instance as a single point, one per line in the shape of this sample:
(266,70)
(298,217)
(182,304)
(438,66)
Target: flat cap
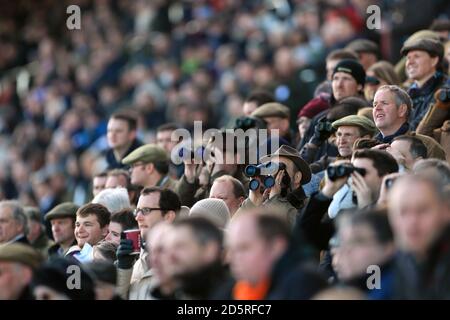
(432,46)
(272,109)
(20,253)
(354,120)
(63,210)
(294,155)
(149,153)
(363,45)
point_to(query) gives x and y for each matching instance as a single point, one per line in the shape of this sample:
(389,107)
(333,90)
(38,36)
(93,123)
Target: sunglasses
(372,80)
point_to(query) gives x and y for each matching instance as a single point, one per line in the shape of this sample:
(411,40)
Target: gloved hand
(322,131)
(125,259)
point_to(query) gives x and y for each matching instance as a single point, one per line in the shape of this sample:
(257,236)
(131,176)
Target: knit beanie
(353,68)
(215,210)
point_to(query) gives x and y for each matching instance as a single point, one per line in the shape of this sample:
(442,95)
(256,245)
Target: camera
(246,123)
(444,95)
(325,127)
(343,170)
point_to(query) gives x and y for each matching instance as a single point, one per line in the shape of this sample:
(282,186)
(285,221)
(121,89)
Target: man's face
(12,280)
(385,113)
(114,231)
(138,173)
(249,107)
(417,220)
(116,181)
(149,220)
(274,123)
(291,170)
(367,59)
(358,249)
(344,85)
(163,139)
(303,125)
(345,138)
(372,179)
(88,230)
(158,248)
(119,134)
(420,65)
(402,147)
(224,190)
(63,230)
(185,253)
(249,255)
(98,184)
(9,227)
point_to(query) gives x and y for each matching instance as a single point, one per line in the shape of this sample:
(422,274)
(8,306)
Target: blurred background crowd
(155,66)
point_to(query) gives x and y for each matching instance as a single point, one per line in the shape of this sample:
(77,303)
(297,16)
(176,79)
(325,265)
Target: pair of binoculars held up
(266,173)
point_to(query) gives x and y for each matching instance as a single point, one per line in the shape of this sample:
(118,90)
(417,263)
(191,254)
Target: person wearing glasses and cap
(155,205)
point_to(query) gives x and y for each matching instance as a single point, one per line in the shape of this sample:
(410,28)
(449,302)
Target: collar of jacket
(436,79)
(297,198)
(388,139)
(438,255)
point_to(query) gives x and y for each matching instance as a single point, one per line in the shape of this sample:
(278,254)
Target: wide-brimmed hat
(294,155)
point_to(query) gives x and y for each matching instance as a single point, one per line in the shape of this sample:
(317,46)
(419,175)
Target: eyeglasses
(145,211)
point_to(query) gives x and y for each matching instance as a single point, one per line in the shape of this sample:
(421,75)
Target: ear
(279,246)
(170,216)
(132,134)
(434,61)
(149,168)
(402,110)
(105,231)
(210,252)
(298,178)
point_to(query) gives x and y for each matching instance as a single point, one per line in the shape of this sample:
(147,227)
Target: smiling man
(350,128)
(424,68)
(91,225)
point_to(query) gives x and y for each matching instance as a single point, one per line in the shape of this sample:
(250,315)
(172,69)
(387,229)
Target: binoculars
(266,172)
(444,95)
(343,170)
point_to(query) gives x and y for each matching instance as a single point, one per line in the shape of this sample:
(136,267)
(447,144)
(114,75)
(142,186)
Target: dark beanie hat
(55,275)
(353,68)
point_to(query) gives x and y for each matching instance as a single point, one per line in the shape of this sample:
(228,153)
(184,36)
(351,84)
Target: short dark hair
(100,211)
(102,174)
(377,220)
(417,147)
(125,218)
(120,172)
(170,126)
(340,54)
(107,250)
(260,97)
(162,167)
(203,230)
(168,200)
(440,25)
(271,226)
(382,161)
(127,116)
